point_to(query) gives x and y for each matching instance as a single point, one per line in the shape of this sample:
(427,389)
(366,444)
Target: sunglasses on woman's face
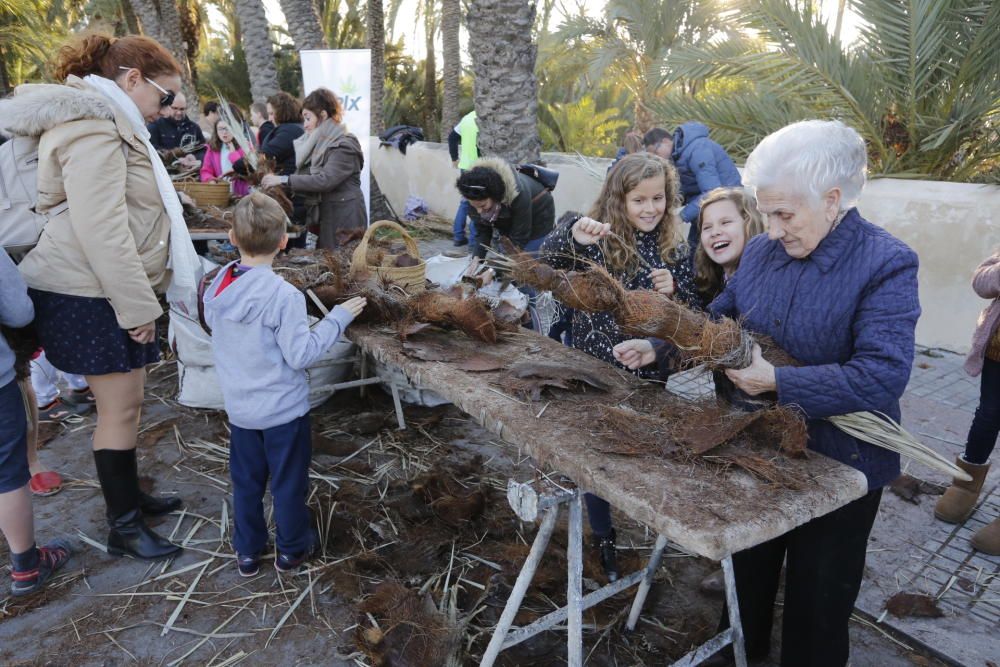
(168,95)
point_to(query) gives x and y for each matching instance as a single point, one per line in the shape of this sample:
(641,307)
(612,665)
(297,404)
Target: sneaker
(249,566)
(58,411)
(51,557)
(287,563)
(461,242)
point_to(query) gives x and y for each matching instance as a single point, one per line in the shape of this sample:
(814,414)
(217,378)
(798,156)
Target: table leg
(398,406)
(520,586)
(363,372)
(647,581)
(574,587)
(733,603)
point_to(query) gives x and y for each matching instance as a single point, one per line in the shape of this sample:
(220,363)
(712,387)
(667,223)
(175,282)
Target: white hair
(811,156)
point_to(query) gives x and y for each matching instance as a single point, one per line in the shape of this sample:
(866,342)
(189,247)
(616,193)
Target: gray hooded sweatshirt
(262,346)
(16,310)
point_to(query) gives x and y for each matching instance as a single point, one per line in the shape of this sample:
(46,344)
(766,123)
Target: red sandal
(46,483)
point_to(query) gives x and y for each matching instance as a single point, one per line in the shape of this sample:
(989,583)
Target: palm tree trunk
(451,22)
(149,18)
(162,22)
(131,20)
(506,90)
(841,6)
(303,24)
(430,75)
(4,79)
(259,49)
(376,42)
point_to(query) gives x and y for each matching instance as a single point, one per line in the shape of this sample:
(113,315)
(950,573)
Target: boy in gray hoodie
(31,566)
(262,345)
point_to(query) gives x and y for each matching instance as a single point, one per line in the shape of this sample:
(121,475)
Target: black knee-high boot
(129,534)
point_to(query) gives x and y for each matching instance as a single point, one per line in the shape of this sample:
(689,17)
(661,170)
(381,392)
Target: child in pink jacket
(220,155)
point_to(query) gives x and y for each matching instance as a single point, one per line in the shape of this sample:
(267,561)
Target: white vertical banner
(348,73)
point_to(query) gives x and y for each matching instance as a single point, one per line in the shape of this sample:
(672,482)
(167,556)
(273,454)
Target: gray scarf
(316,142)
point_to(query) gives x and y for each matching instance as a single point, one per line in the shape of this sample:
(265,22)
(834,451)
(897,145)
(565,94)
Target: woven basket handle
(358,259)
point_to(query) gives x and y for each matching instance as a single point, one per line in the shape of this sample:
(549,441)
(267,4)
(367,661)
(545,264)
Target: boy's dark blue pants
(281,453)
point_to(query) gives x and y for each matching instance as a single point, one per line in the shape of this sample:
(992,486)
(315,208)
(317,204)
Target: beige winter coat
(112,240)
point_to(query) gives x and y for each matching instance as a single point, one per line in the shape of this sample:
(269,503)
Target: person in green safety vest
(464,151)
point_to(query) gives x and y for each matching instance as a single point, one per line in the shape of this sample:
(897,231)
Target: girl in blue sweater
(31,566)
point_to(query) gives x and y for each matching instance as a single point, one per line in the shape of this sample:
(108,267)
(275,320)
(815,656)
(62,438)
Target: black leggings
(826,561)
(986,424)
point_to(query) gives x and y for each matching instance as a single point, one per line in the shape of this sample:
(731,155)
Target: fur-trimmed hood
(36,108)
(506,172)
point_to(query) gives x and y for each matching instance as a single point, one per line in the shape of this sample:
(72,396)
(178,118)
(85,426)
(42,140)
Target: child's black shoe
(51,557)
(249,566)
(286,563)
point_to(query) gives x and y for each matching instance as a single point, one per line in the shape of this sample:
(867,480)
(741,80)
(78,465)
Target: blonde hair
(620,250)
(259,224)
(709,276)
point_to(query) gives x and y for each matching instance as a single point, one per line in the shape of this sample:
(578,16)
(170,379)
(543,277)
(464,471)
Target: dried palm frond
(238,131)
(882,431)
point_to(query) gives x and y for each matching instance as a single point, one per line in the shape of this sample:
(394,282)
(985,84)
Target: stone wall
(952,226)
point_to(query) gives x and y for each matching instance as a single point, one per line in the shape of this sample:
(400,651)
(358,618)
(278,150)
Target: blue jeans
(599,515)
(281,453)
(458,228)
(13,439)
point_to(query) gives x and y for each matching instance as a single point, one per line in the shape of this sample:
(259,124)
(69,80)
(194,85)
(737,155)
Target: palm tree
(921,85)
(24,38)
(376,42)
(344,27)
(580,127)
(162,21)
(503,63)
(259,49)
(431,116)
(631,43)
(451,22)
(303,24)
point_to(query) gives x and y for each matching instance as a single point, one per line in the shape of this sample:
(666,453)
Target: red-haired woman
(102,257)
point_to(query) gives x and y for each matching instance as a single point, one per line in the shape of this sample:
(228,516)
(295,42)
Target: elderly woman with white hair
(840,295)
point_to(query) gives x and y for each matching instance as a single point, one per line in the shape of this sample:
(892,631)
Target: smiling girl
(632,231)
(726,222)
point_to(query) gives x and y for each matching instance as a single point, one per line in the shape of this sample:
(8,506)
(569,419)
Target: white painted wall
(951,226)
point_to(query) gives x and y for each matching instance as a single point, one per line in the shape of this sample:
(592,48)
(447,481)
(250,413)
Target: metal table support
(527,504)
(365,380)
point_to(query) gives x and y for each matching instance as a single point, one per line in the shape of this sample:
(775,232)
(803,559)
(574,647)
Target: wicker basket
(205,194)
(410,278)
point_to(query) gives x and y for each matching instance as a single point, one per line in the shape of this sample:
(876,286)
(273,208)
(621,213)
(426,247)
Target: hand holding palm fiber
(643,313)
(719,343)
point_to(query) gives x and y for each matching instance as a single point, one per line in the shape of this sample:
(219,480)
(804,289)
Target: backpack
(20,223)
(546,177)
(401,136)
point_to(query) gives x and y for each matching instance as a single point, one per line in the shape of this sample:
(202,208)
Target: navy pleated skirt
(81,335)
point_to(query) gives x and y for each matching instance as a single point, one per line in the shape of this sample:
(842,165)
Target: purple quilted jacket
(848,313)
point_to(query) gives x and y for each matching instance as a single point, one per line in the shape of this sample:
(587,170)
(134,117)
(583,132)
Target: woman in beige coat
(102,257)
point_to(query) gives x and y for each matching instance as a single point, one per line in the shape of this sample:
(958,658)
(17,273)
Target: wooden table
(701,510)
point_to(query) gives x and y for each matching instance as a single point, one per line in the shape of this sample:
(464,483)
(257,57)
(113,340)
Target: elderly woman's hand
(634,353)
(270,181)
(663,281)
(757,378)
